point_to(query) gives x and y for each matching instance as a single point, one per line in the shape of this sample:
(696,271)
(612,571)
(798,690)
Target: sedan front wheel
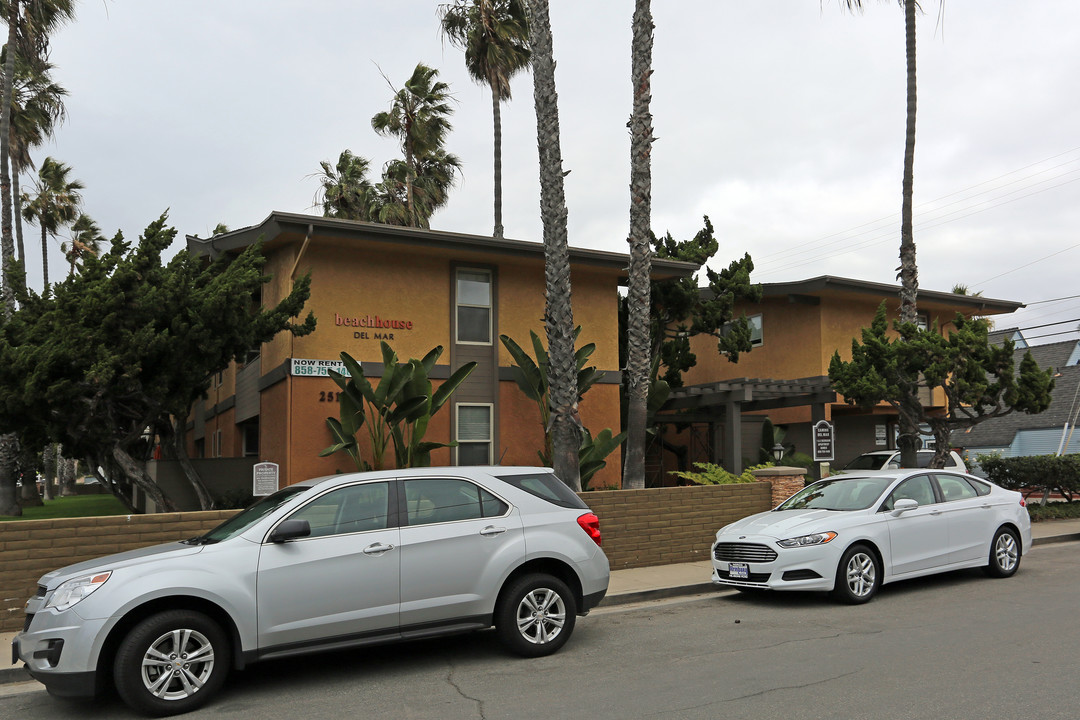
(858,575)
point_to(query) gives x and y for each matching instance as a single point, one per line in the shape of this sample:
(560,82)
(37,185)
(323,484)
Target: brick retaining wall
(640,527)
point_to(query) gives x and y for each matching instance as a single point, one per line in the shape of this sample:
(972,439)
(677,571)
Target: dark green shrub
(1054,511)
(1056,473)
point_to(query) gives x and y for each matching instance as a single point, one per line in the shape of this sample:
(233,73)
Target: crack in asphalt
(758,694)
(478,701)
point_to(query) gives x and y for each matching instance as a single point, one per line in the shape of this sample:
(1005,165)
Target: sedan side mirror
(290,530)
(903,505)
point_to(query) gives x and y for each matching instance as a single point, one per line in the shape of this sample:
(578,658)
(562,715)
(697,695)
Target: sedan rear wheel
(1004,553)
(858,575)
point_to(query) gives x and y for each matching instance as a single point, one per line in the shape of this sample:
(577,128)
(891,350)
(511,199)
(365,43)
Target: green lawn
(69,507)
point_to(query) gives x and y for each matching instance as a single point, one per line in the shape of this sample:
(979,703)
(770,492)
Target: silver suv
(330,563)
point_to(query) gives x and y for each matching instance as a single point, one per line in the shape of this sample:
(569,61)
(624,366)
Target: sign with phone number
(316,368)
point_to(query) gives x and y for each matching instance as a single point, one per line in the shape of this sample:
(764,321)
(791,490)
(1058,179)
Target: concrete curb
(627,598)
(14,675)
(1055,539)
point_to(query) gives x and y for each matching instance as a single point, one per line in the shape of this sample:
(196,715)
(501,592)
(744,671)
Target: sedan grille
(744,552)
(754,577)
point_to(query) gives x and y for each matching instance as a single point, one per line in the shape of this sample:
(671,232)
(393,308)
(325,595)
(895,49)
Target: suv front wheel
(171,662)
(536,615)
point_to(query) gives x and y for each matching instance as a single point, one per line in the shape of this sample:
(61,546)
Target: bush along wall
(1035,473)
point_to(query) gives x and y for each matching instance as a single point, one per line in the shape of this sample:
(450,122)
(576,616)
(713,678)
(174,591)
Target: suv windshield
(841,493)
(248,517)
(546,486)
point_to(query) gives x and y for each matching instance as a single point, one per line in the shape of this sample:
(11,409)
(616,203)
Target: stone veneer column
(786,481)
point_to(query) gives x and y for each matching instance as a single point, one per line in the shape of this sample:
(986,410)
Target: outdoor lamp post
(778,452)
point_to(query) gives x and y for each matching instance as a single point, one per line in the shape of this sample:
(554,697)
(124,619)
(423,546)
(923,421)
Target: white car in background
(850,534)
(888,460)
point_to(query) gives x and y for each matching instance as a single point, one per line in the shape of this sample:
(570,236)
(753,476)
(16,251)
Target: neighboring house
(1018,434)
(797,328)
(416,289)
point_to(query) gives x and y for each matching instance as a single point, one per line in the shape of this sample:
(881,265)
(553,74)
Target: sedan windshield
(245,519)
(840,493)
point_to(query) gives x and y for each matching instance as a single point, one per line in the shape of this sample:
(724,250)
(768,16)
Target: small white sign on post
(264,479)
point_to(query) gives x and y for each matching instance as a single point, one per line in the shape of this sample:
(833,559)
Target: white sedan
(849,534)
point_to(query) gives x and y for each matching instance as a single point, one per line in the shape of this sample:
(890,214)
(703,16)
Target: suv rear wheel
(536,615)
(171,662)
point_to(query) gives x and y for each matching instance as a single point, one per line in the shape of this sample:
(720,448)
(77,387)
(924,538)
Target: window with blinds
(474,434)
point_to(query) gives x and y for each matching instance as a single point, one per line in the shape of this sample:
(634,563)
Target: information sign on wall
(264,479)
(824,441)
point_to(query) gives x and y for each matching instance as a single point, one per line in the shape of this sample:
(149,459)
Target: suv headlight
(74,590)
(803,540)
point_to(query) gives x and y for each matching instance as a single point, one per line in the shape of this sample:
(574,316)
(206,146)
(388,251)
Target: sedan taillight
(1022,503)
(591,525)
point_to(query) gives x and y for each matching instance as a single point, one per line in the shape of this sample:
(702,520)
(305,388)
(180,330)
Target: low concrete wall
(640,527)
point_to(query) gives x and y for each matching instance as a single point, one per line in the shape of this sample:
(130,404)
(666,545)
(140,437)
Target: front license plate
(738,571)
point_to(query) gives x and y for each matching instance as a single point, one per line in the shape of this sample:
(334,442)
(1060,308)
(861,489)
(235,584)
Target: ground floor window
(474,434)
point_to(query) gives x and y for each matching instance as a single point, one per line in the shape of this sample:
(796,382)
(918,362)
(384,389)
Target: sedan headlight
(74,590)
(804,540)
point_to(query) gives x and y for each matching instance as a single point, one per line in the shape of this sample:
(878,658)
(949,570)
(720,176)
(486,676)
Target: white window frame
(491,429)
(490,307)
(215,450)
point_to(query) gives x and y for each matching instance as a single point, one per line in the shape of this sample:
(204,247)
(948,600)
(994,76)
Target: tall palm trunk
(909,274)
(638,361)
(9,501)
(496,114)
(558,312)
(16,198)
(44,261)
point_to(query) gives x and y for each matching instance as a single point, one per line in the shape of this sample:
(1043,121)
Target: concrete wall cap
(777,471)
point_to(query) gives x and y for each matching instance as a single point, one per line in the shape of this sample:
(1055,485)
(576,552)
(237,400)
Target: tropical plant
(54,204)
(495,37)
(592,452)
(85,239)
(712,474)
(30,23)
(531,375)
(37,107)
(907,440)
(344,189)
(397,410)
(558,310)
(419,118)
(638,346)
(979,379)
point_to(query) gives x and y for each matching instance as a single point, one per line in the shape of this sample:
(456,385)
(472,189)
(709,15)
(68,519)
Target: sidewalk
(635,585)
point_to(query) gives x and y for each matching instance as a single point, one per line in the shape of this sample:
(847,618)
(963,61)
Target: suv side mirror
(903,505)
(290,530)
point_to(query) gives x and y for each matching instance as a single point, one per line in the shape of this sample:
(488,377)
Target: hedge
(1058,473)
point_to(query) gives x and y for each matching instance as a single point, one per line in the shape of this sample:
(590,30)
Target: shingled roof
(1000,432)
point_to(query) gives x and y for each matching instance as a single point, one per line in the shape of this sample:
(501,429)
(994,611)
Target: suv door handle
(492,531)
(377,549)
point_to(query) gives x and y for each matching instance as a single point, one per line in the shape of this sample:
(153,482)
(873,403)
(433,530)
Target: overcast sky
(782,120)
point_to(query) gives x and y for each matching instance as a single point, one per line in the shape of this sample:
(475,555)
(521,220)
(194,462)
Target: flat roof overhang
(281,228)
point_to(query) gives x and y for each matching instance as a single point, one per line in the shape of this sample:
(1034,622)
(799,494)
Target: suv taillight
(591,525)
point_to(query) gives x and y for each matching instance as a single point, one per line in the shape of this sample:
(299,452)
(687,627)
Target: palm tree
(908,275)
(495,37)
(30,23)
(85,240)
(55,204)
(418,118)
(558,311)
(344,190)
(638,357)
(37,108)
